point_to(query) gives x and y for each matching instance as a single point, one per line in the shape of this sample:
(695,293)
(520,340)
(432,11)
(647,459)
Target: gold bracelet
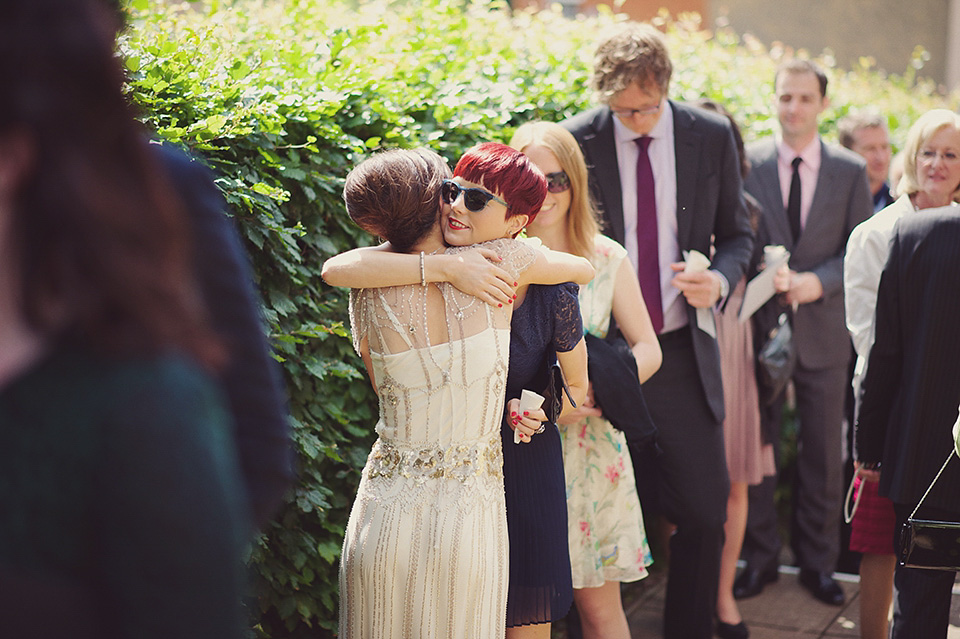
(423,273)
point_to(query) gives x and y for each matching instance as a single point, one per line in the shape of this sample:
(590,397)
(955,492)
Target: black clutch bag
(553,393)
(933,545)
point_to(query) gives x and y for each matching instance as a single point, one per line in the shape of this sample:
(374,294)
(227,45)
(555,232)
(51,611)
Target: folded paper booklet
(528,401)
(760,288)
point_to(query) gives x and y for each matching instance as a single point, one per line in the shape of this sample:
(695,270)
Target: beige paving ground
(783,611)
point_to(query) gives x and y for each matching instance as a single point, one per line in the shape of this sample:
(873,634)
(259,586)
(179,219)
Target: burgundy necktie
(793,200)
(648,253)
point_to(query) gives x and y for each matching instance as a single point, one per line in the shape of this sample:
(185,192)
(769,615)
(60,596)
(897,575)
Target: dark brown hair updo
(395,194)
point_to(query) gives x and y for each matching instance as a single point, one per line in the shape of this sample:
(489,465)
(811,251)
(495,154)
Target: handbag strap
(848,513)
(940,472)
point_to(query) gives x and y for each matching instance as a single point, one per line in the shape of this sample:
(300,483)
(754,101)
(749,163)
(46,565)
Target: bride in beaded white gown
(426,553)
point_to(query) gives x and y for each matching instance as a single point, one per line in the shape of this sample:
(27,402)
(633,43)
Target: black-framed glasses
(558,182)
(474,199)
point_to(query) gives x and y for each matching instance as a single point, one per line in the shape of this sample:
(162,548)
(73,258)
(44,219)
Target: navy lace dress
(540,588)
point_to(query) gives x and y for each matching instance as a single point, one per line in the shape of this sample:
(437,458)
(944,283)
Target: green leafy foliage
(282,97)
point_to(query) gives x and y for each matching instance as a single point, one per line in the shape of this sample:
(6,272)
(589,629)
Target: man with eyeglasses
(667,179)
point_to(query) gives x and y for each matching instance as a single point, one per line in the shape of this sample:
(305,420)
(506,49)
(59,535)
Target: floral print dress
(606,535)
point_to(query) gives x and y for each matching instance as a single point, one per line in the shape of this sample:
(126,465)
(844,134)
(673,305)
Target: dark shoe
(751,581)
(732,631)
(822,586)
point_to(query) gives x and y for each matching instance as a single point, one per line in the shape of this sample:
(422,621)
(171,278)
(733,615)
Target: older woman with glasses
(931,178)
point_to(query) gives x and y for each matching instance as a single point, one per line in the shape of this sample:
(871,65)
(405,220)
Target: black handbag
(776,359)
(930,544)
(554,391)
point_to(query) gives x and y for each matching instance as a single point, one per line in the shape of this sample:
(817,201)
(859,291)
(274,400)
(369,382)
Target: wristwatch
(870,465)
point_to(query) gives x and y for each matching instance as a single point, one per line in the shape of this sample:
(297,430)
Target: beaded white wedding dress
(425,553)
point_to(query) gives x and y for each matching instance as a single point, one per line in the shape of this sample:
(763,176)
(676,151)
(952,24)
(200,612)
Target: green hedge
(283,97)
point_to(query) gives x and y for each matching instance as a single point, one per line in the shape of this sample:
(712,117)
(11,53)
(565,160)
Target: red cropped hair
(509,173)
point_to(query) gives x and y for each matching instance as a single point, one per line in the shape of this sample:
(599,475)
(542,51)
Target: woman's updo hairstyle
(395,194)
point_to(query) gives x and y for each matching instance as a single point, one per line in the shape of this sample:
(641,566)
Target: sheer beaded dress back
(425,551)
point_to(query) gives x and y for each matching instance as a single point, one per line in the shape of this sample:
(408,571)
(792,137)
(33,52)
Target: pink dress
(749,460)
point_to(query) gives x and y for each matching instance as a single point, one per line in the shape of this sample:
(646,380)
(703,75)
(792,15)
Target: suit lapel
(825,186)
(687,146)
(768,178)
(601,153)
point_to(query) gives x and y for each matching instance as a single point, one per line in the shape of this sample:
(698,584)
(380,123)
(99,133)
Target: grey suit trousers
(816,492)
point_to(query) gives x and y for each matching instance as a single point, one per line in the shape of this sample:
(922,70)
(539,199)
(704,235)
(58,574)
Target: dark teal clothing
(119,482)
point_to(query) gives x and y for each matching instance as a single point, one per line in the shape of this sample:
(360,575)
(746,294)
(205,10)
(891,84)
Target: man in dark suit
(667,180)
(812,195)
(910,397)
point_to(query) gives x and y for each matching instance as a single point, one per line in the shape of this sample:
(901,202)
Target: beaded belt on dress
(460,461)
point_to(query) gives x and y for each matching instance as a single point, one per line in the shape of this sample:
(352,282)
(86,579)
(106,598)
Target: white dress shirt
(663,161)
(809,172)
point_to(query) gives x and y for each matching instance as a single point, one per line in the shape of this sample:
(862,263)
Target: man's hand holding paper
(700,287)
(765,285)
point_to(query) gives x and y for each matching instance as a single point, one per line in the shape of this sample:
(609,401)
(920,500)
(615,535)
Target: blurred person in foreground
(931,179)
(250,377)
(123,512)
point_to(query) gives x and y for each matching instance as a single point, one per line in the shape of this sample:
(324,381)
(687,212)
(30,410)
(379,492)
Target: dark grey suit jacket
(842,200)
(710,208)
(912,386)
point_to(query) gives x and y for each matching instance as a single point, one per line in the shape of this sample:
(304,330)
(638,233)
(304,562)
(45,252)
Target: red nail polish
(514,283)
(513,413)
(525,413)
(500,305)
(509,301)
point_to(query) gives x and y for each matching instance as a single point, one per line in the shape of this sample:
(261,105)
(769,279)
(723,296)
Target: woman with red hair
(494,193)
